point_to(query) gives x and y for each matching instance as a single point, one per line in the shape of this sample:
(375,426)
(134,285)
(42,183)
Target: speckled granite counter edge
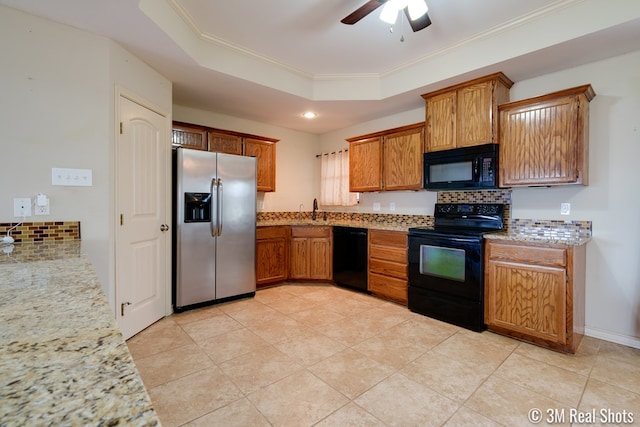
(63,360)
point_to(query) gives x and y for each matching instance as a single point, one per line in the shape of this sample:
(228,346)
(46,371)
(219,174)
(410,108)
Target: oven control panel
(469,215)
(461,209)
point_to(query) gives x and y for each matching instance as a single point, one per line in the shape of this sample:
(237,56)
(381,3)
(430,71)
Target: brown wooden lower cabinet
(311,253)
(388,264)
(535,292)
(272,255)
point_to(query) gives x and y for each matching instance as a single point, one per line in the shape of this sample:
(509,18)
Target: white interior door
(142,239)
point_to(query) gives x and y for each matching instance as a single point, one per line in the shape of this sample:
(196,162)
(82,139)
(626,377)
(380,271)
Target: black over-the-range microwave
(466,168)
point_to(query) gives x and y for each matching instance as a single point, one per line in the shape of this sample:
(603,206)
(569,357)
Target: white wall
(57,110)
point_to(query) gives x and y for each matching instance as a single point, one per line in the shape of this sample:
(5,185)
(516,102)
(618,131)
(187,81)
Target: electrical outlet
(565,208)
(392,206)
(376,207)
(42,205)
(22,207)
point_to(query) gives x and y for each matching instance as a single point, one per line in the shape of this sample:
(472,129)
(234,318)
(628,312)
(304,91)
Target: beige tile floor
(305,354)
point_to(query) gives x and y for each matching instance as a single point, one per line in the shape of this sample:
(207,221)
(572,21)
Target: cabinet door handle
(164,227)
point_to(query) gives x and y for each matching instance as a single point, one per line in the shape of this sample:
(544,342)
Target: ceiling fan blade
(362,11)
(423,22)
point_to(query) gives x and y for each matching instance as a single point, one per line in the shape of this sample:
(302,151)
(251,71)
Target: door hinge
(121,219)
(121,128)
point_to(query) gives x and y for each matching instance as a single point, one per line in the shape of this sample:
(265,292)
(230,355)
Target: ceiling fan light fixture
(389,12)
(417,8)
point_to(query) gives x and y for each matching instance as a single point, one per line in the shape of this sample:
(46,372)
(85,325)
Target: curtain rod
(333,152)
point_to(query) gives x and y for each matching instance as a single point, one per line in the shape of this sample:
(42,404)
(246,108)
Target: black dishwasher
(350,257)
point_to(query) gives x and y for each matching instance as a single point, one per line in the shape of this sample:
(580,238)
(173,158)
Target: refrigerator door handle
(214,208)
(220,197)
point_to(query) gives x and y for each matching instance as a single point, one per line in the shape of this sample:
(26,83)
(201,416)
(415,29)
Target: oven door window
(442,262)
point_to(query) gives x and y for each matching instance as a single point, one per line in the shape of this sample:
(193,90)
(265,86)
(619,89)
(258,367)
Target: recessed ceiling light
(309,115)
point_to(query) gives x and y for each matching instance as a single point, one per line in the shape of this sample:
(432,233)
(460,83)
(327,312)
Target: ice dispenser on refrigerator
(197,207)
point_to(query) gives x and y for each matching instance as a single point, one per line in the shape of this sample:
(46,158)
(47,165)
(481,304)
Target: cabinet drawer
(395,289)
(387,268)
(271,232)
(396,239)
(388,254)
(310,231)
(528,254)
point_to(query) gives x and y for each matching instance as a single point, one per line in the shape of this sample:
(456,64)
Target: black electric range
(446,275)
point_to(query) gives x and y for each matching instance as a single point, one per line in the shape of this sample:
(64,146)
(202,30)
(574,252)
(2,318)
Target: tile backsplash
(480,196)
(551,229)
(30,232)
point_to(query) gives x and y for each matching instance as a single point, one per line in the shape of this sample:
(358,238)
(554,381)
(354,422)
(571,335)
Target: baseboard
(613,337)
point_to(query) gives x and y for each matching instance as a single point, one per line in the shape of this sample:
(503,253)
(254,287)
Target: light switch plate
(72,177)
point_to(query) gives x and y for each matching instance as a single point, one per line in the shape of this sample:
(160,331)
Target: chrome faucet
(315,208)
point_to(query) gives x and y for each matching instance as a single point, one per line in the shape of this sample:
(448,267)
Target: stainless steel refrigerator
(214,227)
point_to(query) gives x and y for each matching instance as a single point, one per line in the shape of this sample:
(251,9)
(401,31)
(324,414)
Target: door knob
(164,227)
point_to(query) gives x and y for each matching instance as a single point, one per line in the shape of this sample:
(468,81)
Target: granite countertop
(63,360)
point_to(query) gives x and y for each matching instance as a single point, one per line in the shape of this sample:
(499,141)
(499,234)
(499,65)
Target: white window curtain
(334,180)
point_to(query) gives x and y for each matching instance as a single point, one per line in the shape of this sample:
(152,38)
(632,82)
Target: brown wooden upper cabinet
(465,114)
(189,136)
(265,154)
(222,141)
(387,160)
(544,140)
(365,164)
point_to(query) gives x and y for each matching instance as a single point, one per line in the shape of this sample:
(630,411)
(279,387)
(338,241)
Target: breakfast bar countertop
(63,360)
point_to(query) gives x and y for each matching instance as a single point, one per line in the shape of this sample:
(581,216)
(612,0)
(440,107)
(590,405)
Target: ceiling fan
(415,10)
